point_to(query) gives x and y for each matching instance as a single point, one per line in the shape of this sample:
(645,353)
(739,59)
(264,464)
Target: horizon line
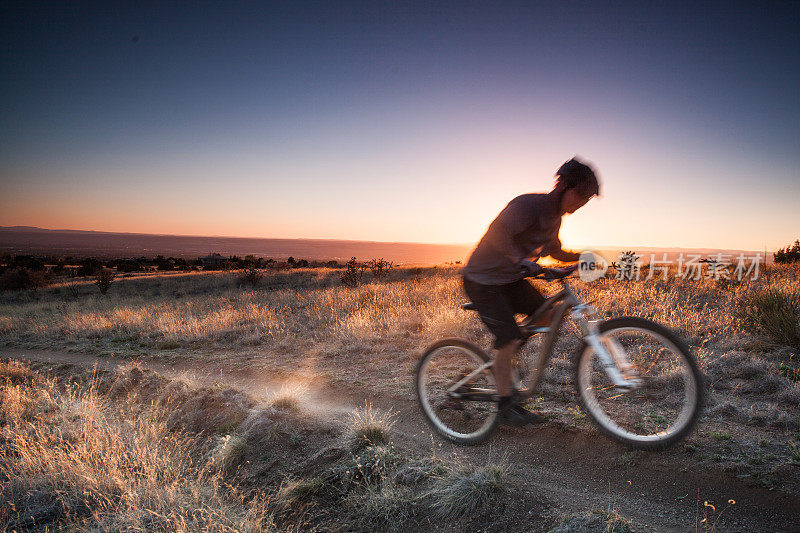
(597,247)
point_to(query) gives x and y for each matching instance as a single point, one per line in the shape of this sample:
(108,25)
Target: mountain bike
(635,379)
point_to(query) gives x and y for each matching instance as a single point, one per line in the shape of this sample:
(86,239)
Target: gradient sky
(401,121)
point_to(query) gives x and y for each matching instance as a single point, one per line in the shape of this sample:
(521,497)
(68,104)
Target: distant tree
(790,254)
(89,267)
(165,264)
(21,278)
(332,263)
(291,262)
(181,264)
(28,261)
(58,268)
(127,265)
(104,279)
(302,264)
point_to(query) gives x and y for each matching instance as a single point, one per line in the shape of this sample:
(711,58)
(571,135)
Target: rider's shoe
(513,414)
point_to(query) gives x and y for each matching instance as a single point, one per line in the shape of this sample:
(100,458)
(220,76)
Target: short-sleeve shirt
(526,228)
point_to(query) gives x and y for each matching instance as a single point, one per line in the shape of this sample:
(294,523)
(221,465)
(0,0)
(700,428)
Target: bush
(353,273)
(127,265)
(790,254)
(104,279)
(21,278)
(773,313)
(380,268)
(250,276)
(90,267)
(28,261)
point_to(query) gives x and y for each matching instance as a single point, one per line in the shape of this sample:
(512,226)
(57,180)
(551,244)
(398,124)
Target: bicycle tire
(473,357)
(617,413)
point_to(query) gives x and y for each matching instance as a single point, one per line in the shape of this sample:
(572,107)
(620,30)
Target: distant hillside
(32,240)
(25,239)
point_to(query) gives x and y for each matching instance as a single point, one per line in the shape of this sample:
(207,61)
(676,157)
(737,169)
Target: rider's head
(576,183)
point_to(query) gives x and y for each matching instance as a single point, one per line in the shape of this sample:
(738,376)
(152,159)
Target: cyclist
(494,276)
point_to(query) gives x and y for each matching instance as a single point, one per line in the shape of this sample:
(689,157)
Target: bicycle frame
(612,357)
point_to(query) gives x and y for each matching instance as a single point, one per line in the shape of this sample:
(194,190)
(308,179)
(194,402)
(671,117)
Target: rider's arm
(565,255)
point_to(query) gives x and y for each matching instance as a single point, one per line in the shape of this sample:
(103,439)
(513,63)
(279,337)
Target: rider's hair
(576,175)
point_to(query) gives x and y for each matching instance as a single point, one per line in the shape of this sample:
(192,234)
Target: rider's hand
(530,268)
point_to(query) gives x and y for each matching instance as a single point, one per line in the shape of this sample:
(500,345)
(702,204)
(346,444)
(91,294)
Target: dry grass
(774,313)
(287,398)
(368,427)
(369,336)
(105,452)
(206,309)
(73,459)
(594,521)
(465,490)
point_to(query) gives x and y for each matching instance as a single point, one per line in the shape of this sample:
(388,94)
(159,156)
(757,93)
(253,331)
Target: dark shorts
(497,305)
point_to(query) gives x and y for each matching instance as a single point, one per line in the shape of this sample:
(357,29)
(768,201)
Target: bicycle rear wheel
(667,403)
(453,386)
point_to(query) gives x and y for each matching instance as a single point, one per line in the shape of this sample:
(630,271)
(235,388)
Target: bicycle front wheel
(666,403)
(454,385)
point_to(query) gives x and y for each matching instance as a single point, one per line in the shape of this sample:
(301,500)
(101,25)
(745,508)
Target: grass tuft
(467,490)
(773,313)
(294,492)
(16,372)
(368,427)
(227,452)
(595,521)
(287,398)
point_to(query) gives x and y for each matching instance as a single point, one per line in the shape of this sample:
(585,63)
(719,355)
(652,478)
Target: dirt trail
(561,470)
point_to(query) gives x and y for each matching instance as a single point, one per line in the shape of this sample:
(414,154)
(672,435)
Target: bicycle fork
(612,356)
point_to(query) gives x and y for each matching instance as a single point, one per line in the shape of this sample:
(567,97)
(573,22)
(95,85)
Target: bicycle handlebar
(556,273)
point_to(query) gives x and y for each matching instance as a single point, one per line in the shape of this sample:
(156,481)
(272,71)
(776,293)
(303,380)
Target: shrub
(127,265)
(773,313)
(250,276)
(380,268)
(790,254)
(89,267)
(104,279)
(353,273)
(28,261)
(21,278)
(628,266)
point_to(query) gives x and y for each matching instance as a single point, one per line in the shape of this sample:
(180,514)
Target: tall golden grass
(73,459)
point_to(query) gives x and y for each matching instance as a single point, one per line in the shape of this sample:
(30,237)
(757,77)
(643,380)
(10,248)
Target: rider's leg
(526,299)
(502,367)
